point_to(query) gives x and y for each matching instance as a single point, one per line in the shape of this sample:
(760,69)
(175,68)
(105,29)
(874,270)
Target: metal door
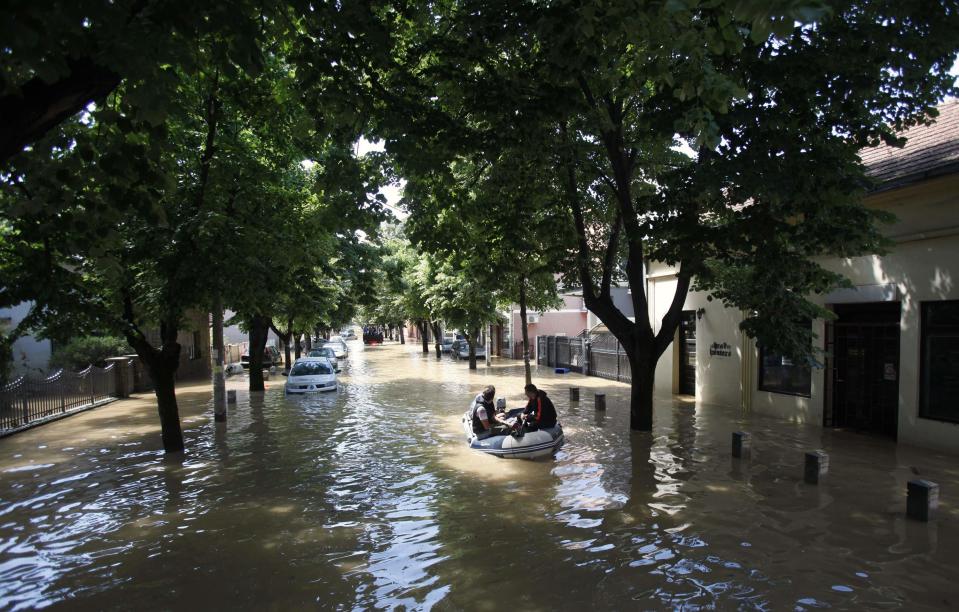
(687,353)
(864,371)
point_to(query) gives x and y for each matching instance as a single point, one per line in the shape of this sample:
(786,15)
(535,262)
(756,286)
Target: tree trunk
(402,339)
(219,380)
(437,339)
(297,347)
(424,335)
(524,326)
(471,342)
(309,341)
(162,365)
(642,365)
(259,330)
(164,381)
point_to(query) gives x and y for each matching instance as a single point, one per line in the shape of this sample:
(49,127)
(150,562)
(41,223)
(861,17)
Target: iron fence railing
(597,354)
(607,359)
(25,401)
(562,352)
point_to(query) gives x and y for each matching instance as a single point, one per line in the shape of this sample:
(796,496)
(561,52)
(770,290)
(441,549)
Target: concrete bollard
(574,394)
(600,401)
(816,466)
(741,441)
(231,396)
(922,500)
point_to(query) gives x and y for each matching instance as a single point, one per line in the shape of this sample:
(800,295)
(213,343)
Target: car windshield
(321,352)
(310,368)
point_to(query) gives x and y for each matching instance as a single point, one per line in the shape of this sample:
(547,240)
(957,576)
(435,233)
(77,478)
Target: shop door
(687,353)
(864,347)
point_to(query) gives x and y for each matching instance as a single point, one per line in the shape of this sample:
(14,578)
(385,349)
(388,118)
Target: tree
(463,300)
(59,59)
(774,99)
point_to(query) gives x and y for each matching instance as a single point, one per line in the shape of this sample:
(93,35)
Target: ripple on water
(367,499)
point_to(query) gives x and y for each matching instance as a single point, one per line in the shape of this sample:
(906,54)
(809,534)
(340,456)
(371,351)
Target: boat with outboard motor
(519,445)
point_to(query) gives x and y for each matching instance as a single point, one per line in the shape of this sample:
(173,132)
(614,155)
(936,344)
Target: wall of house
(30,355)
(569,320)
(921,270)
(718,377)
(923,265)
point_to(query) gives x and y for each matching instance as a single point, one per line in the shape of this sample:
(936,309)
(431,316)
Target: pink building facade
(568,320)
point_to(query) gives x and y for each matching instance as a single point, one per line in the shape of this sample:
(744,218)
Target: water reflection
(368,498)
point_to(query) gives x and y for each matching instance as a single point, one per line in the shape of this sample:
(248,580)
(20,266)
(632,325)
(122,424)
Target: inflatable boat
(528,445)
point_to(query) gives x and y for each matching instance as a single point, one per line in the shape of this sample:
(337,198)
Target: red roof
(930,150)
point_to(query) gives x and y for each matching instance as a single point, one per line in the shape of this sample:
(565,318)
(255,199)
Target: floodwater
(368,499)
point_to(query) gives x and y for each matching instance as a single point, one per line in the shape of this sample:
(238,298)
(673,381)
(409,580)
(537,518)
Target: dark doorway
(863,368)
(687,353)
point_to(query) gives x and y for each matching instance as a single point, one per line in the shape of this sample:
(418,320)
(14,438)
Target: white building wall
(922,270)
(30,355)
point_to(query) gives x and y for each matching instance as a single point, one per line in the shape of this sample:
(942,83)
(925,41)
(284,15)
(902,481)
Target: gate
(607,359)
(562,352)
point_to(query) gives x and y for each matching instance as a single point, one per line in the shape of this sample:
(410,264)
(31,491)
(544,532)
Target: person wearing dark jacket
(486,421)
(540,413)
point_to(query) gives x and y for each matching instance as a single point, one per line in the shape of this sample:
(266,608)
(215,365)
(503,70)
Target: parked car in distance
(271,357)
(461,350)
(348,333)
(446,344)
(311,374)
(338,348)
(325,351)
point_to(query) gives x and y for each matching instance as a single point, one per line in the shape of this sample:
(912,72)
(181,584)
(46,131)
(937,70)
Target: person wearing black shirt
(540,413)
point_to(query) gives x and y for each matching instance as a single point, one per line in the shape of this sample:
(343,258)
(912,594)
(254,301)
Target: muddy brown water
(368,499)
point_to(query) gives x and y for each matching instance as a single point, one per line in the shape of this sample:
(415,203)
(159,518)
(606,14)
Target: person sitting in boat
(486,421)
(540,413)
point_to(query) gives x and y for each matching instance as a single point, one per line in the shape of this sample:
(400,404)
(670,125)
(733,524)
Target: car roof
(312,360)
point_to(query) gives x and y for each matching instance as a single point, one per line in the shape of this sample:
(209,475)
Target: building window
(939,365)
(778,374)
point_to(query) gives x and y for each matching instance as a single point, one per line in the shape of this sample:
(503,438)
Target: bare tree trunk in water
(298,348)
(424,335)
(162,364)
(219,380)
(259,330)
(525,327)
(402,339)
(438,339)
(471,337)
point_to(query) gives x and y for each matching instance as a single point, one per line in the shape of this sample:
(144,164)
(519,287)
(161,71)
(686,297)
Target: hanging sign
(720,350)
(889,371)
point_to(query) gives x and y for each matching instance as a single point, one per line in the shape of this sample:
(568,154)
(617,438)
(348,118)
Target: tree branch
(671,319)
(39,106)
(610,258)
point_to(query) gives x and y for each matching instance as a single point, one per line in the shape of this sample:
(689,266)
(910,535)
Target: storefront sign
(720,350)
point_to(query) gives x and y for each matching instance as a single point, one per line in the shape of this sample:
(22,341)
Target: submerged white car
(311,374)
(338,346)
(325,351)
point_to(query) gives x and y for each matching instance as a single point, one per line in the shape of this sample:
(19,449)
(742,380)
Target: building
(30,355)
(568,320)
(892,353)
